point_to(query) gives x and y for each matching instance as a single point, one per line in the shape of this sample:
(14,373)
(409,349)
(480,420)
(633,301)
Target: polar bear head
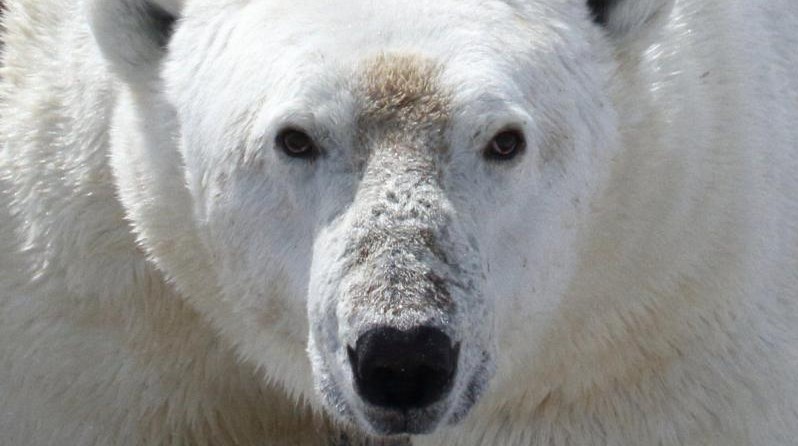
(378,203)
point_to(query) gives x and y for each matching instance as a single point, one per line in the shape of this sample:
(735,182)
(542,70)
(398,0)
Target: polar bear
(470,222)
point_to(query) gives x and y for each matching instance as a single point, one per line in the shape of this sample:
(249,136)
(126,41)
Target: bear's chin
(391,423)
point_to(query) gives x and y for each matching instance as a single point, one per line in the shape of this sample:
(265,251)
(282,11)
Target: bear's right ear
(133,34)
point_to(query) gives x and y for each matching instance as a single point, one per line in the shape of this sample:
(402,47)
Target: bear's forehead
(401,98)
(388,68)
(347,31)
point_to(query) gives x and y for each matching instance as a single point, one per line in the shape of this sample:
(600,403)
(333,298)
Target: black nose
(400,370)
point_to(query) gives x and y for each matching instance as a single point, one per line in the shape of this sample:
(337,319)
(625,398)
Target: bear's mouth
(404,422)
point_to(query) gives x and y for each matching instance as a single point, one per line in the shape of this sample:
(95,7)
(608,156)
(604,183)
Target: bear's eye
(505,145)
(296,144)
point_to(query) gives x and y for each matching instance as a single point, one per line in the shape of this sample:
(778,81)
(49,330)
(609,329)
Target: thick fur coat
(172,274)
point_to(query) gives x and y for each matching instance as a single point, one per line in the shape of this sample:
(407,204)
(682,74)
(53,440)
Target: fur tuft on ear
(133,34)
(622,18)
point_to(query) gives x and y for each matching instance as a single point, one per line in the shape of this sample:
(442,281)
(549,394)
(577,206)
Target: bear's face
(396,188)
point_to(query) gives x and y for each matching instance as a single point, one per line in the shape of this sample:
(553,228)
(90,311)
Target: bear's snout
(404,347)
(403,369)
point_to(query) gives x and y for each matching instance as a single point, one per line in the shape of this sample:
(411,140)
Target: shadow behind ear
(625,18)
(600,8)
(133,34)
(163,23)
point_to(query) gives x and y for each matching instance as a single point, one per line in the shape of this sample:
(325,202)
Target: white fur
(168,277)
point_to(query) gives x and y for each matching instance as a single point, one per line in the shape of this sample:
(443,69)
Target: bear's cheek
(260,243)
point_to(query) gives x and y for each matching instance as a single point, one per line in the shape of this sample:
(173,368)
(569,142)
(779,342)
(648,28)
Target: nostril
(403,369)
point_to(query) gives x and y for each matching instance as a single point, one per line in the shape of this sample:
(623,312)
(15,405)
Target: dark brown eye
(505,145)
(296,144)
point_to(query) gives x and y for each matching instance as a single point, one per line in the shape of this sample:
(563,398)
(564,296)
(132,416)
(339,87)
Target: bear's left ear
(133,34)
(625,18)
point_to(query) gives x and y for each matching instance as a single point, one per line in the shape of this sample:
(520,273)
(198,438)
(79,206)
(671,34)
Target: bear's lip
(385,422)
